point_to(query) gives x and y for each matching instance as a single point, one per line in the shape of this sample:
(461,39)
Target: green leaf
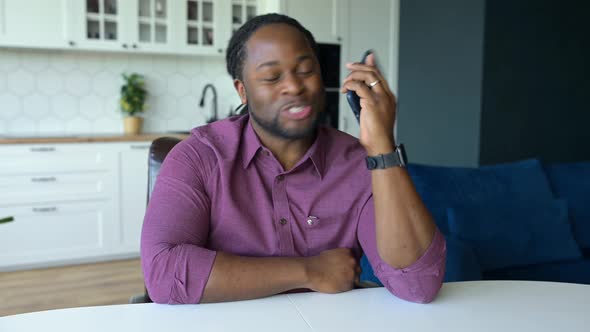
(7,219)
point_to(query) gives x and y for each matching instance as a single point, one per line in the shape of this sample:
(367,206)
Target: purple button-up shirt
(221,190)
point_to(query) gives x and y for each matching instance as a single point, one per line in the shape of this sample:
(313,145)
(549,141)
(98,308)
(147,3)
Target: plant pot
(132,125)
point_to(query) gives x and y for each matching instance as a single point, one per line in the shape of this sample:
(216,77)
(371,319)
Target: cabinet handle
(124,45)
(45,209)
(139,147)
(220,50)
(44,179)
(43,149)
(134,46)
(72,43)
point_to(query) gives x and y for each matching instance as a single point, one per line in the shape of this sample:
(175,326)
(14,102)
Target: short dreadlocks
(236,50)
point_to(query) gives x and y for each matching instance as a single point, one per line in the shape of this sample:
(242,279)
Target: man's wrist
(382,148)
(304,272)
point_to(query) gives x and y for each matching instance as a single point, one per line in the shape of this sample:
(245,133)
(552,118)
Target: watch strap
(396,158)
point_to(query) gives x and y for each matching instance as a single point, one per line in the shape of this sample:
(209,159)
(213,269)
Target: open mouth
(298,112)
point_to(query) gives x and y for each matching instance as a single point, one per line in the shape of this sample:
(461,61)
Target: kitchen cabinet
(150,26)
(33,23)
(203,26)
(116,25)
(71,202)
(323,19)
(133,195)
(56,232)
(242,11)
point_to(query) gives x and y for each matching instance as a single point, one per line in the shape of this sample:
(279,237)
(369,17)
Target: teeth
(294,110)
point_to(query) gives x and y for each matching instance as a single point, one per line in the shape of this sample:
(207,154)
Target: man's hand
(378,106)
(332,271)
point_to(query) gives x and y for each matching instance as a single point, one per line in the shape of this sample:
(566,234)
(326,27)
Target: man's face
(282,82)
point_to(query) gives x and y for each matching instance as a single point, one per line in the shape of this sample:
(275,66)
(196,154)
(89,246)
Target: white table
(464,306)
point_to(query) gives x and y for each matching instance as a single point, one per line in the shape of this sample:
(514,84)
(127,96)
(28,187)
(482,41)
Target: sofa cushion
(572,182)
(441,187)
(572,271)
(515,233)
(461,264)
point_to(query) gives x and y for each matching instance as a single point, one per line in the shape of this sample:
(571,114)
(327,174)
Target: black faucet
(202,103)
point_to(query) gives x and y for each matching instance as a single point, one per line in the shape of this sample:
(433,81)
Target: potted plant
(133,95)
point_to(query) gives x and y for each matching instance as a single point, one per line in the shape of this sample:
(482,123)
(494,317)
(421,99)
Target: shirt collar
(251,143)
(317,151)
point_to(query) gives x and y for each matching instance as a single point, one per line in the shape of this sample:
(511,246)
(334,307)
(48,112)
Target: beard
(274,128)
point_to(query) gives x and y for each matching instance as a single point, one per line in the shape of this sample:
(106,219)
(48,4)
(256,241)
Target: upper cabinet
(203,26)
(321,18)
(39,23)
(242,11)
(195,27)
(149,26)
(99,24)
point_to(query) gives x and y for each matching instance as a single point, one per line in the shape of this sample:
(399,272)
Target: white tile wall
(52,92)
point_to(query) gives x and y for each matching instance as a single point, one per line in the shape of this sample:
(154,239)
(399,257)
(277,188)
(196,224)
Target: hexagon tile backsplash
(56,92)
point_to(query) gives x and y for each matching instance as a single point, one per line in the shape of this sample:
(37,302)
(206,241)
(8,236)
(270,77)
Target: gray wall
(537,81)
(440,80)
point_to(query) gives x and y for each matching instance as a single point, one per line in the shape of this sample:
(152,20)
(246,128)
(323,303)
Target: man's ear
(241,89)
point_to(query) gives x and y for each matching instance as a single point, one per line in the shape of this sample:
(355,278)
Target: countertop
(86,138)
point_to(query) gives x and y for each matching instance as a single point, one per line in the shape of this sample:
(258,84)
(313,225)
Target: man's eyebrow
(276,63)
(267,64)
(303,58)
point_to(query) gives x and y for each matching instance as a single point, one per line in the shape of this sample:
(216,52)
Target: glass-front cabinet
(242,11)
(97,24)
(201,30)
(151,28)
(158,26)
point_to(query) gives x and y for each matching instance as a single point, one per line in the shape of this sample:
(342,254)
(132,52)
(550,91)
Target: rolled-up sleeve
(176,265)
(419,282)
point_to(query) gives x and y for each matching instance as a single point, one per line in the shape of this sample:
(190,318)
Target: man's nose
(293,84)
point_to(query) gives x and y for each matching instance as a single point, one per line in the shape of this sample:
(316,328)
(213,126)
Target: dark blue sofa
(516,221)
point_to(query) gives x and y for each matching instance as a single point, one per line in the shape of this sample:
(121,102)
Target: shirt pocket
(327,232)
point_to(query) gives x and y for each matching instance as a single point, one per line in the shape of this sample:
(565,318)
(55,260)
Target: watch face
(371,163)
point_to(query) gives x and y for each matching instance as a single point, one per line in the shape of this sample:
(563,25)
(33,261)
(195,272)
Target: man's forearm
(236,278)
(404,226)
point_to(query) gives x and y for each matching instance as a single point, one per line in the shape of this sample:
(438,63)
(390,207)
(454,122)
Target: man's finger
(368,78)
(371,60)
(361,89)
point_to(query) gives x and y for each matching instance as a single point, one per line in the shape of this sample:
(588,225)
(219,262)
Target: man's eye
(305,72)
(271,79)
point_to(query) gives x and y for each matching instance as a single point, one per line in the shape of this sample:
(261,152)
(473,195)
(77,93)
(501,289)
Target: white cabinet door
(33,23)
(203,26)
(151,25)
(133,179)
(242,11)
(54,233)
(99,24)
(321,17)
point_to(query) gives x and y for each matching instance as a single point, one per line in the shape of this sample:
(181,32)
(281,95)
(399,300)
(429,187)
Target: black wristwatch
(396,158)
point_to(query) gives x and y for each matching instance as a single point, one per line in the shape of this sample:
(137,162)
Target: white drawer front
(53,159)
(44,233)
(51,187)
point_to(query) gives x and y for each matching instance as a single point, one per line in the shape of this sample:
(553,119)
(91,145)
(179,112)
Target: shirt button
(280,177)
(283,221)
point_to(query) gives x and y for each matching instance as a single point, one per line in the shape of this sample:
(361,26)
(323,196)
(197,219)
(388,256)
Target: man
(269,202)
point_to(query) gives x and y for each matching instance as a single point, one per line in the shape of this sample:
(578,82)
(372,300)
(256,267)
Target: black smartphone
(353,99)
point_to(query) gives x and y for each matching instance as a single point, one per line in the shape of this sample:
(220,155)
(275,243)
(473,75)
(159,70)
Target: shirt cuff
(192,270)
(421,281)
